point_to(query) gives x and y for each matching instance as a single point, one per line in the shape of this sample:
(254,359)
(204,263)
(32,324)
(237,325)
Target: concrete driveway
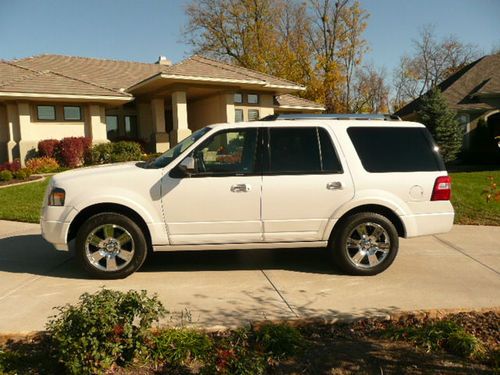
(460,269)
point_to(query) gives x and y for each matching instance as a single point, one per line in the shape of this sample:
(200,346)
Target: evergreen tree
(442,123)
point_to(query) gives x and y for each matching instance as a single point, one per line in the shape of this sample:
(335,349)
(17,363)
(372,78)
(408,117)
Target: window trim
(46,120)
(72,106)
(267,159)
(257,164)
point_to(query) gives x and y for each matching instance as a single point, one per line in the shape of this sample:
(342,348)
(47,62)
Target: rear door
(303,183)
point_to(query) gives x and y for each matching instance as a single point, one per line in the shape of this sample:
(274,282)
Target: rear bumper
(426,224)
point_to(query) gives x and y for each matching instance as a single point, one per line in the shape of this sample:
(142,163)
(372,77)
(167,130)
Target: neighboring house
(474,93)
(55,96)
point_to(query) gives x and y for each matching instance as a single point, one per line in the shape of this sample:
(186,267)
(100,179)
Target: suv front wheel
(110,246)
(365,244)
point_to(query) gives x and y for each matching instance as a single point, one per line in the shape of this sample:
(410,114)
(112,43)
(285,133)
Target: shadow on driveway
(31,254)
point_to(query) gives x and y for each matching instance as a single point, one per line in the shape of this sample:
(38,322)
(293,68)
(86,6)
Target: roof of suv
(316,122)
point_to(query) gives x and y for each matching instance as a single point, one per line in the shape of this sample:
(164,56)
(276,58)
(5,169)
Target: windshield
(164,159)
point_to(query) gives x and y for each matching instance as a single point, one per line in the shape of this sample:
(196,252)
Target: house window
(253,114)
(463,120)
(238,98)
(72,113)
(253,99)
(46,112)
(238,115)
(131,127)
(112,127)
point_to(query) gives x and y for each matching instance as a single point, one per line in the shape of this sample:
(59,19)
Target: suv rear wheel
(110,246)
(365,244)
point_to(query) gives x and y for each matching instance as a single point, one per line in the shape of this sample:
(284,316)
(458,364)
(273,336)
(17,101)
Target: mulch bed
(15,182)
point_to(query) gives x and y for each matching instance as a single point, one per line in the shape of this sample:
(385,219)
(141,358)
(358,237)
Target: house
(474,93)
(55,96)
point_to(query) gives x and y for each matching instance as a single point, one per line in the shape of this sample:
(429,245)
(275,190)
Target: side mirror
(187,166)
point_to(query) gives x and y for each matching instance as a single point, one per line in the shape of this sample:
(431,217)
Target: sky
(142,30)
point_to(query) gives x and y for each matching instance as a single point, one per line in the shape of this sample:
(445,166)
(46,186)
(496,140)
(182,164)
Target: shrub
(279,340)
(103,328)
(22,174)
(6,175)
(48,147)
(116,152)
(13,166)
(176,346)
(72,151)
(42,165)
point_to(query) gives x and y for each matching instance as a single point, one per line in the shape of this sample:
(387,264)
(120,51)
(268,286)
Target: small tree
(442,123)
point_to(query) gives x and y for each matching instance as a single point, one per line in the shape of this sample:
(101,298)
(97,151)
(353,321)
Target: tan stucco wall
(206,111)
(265,106)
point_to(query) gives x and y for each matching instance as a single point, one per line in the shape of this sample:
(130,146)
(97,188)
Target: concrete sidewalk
(460,269)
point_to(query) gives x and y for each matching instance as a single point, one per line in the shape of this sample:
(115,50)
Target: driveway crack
(462,251)
(279,293)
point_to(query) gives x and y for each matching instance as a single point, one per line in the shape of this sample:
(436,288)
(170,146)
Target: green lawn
(22,203)
(470,206)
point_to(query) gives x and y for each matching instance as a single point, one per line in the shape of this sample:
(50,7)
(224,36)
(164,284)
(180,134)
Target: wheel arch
(99,208)
(375,208)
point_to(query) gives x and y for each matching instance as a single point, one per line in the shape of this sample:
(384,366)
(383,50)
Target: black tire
(135,248)
(346,257)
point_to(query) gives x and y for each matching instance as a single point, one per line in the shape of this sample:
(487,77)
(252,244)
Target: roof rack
(332,116)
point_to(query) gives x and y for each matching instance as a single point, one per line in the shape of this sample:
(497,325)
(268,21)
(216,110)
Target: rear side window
(395,149)
(302,151)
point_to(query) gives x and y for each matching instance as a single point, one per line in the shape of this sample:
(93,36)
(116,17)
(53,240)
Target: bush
(116,152)
(13,166)
(42,165)
(48,148)
(103,328)
(176,346)
(73,151)
(6,175)
(22,174)
(279,340)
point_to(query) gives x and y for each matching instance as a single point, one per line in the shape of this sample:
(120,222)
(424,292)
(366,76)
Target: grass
(470,206)
(23,202)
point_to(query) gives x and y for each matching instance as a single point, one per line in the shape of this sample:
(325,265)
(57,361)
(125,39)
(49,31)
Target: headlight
(56,197)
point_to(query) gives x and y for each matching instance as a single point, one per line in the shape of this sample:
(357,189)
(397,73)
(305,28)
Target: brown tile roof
(116,75)
(112,74)
(16,79)
(463,89)
(288,100)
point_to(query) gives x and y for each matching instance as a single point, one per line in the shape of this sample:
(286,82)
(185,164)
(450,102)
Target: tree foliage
(442,123)
(318,43)
(431,62)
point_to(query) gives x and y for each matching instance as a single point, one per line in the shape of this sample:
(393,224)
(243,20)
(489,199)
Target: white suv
(349,184)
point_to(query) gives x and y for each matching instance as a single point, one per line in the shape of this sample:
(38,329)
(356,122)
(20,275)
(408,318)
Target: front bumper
(55,222)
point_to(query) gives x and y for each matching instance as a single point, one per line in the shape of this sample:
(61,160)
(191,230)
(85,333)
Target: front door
(303,184)
(220,202)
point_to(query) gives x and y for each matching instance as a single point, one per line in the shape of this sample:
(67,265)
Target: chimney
(162,60)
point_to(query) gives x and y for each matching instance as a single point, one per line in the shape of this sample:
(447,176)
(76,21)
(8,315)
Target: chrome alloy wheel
(368,245)
(109,247)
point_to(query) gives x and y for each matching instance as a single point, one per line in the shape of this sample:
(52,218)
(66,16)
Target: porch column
(26,143)
(12,124)
(96,124)
(180,120)
(229,99)
(159,137)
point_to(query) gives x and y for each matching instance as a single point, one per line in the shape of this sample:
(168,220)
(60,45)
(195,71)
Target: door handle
(241,188)
(336,185)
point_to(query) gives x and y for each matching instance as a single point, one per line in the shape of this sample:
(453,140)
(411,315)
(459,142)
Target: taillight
(442,189)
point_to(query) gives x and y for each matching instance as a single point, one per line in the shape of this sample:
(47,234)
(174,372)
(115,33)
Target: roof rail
(332,116)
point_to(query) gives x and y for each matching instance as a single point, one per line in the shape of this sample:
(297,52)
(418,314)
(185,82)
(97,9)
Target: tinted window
(300,150)
(395,149)
(228,152)
(46,112)
(72,113)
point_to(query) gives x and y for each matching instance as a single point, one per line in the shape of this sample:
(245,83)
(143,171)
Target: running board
(241,246)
